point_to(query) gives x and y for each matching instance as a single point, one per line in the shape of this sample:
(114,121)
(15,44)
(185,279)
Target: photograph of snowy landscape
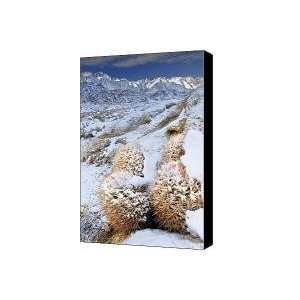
(141,137)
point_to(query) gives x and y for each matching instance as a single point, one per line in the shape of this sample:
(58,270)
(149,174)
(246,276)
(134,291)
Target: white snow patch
(123,179)
(90,181)
(176,80)
(153,83)
(161,238)
(152,145)
(195,222)
(193,157)
(134,84)
(186,85)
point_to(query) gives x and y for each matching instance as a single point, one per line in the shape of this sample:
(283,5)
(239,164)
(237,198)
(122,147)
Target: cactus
(173,149)
(129,158)
(125,202)
(123,194)
(172,194)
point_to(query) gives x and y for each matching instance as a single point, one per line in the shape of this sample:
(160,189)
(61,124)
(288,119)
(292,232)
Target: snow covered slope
(140,111)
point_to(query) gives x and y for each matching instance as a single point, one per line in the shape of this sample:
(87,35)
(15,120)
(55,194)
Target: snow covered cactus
(129,158)
(173,149)
(125,201)
(123,194)
(172,194)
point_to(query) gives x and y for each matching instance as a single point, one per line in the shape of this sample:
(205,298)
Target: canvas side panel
(208,149)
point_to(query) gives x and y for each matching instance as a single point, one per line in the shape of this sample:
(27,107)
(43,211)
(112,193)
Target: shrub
(93,226)
(95,153)
(144,119)
(177,128)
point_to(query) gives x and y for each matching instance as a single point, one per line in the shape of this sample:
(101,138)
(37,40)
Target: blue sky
(138,66)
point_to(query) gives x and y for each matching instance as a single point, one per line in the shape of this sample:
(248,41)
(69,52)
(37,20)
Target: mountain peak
(99,85)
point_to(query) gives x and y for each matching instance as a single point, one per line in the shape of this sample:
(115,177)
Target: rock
(96,152)
(121,141)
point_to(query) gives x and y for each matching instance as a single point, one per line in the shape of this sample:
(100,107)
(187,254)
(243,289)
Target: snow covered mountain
(100,87)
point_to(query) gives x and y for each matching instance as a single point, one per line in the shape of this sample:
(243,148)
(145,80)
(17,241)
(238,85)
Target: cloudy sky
(139,66)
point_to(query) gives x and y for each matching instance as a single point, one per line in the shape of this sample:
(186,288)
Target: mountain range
(100,87)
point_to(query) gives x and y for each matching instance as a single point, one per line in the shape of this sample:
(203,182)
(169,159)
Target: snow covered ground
(137,115)
(90,179)
(195,222)
(194,153)
(161,238)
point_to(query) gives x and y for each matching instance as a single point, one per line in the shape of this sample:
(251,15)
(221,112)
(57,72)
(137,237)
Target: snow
(153,83)
(86,74)
(90,180)
(124,179)
(152,145)
(193,157)
(134,84)
(176,80)
(151,160)
(161,238)
(186,85)
(195,222)
(92,125)
(112,111)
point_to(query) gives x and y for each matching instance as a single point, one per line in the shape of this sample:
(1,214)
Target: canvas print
(142,149)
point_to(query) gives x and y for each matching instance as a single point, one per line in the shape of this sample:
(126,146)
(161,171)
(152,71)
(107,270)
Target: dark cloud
(97,60)
(127,61)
